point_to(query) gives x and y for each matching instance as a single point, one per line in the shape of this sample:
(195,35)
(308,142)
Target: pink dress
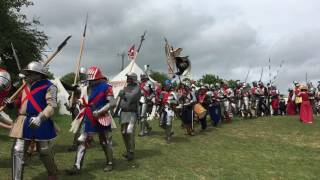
(306,114)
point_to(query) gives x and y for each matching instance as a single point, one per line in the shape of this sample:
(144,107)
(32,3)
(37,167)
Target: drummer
(203,100)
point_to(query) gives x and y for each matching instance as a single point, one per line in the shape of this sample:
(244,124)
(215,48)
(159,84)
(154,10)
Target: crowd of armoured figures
(93,103)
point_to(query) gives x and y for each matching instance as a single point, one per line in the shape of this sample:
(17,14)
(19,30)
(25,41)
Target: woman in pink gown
(306,114)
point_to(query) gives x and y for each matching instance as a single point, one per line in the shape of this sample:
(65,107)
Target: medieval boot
(148,128)
(107,149)
(142,127)
(78,161)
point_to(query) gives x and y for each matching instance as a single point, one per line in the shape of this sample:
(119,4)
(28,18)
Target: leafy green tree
(68,78)
(209,79)
(29,42)
(159,76)
(232,83)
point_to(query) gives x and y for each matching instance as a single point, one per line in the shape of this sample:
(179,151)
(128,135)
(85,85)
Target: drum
(199,110)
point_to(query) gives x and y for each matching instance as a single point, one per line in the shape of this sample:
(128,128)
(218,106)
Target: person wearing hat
(225,95)
(73,107)
(306,114)
(168,102)
(254,96)
(297,98)
(204,99)
(95,101)
(5,87)
(129,104)
(36,103)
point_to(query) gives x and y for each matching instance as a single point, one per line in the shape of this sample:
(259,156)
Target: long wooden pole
(79,60)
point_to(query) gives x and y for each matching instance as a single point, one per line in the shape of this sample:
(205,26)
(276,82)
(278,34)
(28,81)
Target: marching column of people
(137,102)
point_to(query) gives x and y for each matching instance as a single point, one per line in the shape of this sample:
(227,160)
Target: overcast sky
(225,38)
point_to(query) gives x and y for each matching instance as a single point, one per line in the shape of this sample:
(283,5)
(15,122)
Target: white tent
(62,96)
(119,80)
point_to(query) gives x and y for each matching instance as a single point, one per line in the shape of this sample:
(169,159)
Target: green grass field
(265,148)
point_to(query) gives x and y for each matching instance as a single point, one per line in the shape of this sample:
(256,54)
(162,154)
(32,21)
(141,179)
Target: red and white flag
(132,53)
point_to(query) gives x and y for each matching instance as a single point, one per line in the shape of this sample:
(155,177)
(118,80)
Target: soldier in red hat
(95,101)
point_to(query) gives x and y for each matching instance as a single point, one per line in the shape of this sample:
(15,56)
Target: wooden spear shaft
(79,61)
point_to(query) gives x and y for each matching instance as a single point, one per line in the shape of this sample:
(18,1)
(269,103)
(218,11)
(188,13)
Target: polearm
(14,95)
(79,60)
(115,110)
(16,57)
(59,48)
(141,40)
(277,72)
(269,70)
(306,78)
(246,79)
(261,74)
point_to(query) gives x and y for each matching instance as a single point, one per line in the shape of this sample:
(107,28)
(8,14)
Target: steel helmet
(36,67)
(94,73)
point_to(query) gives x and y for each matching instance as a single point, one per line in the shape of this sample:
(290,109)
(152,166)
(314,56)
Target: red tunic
(291,109)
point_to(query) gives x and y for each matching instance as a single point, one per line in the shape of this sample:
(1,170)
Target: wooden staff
(79,61)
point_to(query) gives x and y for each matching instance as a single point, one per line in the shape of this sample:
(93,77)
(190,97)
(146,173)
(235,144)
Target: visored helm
(36,67)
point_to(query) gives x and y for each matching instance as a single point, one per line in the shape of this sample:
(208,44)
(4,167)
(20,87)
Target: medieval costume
(312,94)
(306,115)
(214,107)
(226,94)
(168,102)
(282,105)
(254,97)
(129,104)
(274,94)
(95,101)
(291,109)
(147,103)
(187,100)
(204,99)
(297,98)
(245,95)
(36,103)
(262,93)
(5,86)
(73,107)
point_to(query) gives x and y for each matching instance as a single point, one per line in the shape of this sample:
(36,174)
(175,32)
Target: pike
(79,60)
(14,95)
(269,70)
(246,79)
(16,57)
(141,40)
(261,74)
(277,72)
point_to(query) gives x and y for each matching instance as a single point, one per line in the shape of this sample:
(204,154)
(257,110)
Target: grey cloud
(221,42)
